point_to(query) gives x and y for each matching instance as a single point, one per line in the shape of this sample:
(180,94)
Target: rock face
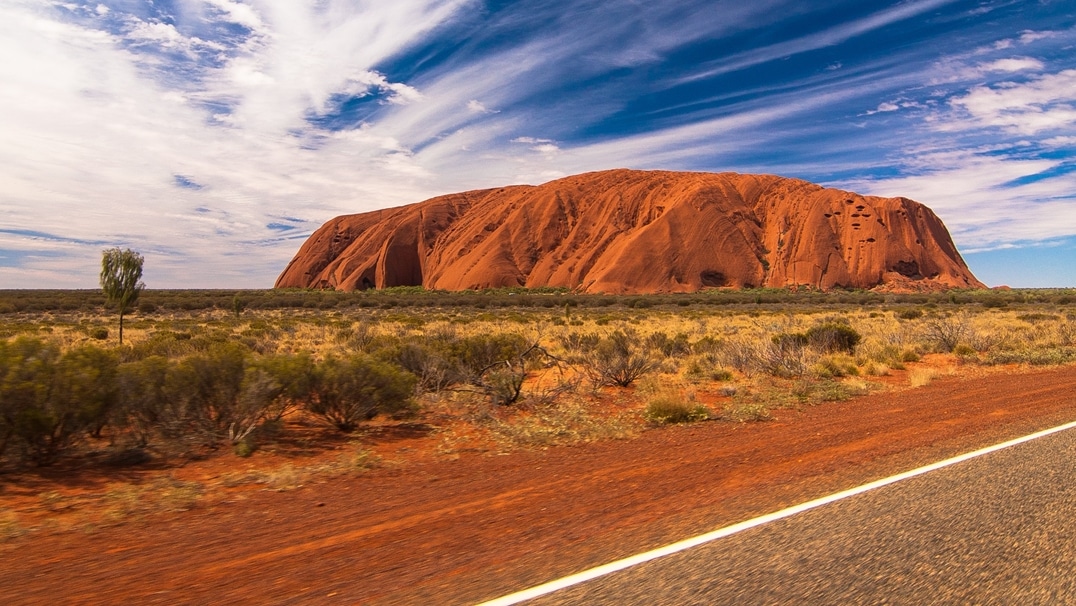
(625,231)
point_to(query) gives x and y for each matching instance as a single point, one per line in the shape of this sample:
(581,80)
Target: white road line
(618,565)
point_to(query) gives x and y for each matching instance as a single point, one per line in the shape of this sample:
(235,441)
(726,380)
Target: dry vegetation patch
(206,401)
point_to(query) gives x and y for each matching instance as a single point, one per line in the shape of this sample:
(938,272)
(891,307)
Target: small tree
(121,275)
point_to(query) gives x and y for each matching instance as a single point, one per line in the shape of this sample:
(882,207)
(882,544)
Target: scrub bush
(618,359)
(347,391)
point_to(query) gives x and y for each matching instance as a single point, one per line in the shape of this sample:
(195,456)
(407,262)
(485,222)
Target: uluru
(630,231)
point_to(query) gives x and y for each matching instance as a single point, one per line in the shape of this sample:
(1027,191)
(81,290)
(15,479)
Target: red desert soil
(627,231)
(457,532)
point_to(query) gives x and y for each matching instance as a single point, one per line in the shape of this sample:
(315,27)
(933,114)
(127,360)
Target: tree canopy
(121,275)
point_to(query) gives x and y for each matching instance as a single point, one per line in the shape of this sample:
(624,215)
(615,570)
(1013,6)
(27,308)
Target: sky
(214,136)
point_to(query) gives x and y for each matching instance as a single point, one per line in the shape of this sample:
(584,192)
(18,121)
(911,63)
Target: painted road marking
(600,571)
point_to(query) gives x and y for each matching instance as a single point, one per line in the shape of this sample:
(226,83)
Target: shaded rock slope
(627,231)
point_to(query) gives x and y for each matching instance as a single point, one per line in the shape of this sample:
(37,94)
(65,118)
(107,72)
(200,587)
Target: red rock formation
(625,231)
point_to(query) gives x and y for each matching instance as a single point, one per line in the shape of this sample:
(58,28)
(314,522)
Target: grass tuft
(666,409)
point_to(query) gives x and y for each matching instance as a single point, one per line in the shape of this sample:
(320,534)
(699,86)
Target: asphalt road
(998,529)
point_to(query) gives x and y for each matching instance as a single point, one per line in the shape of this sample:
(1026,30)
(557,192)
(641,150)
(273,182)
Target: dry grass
(10,526)
(161,495)
(289,477)
(571,421)
(919,377)
(671,407)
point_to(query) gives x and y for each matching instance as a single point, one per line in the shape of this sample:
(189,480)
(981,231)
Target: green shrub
(292,379)
(144,402)
(429,361)
(223,396)
(833,337)
(965,351)
(50,400)
(347,391)
(477,354)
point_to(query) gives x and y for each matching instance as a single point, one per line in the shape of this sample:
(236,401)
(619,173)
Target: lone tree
(121,272)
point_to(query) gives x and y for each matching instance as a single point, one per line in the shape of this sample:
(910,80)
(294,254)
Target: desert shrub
(742,354)
(669,346)
(833,337)
(347,391)
(429,361)
(836,365)
(27,366)
(783,358)
(497,364)
(291,378)
(994,303)
(618,359)
(1047,356)
(909,314)
(878,369)
(50,400)
(223,397)
(165,343)
(576,342)
(946,332)
(478,353)
(144,402)
(786,340)
(965,351)
(99,333)
(707,345)
(669,408)
(702,369)
(837,391)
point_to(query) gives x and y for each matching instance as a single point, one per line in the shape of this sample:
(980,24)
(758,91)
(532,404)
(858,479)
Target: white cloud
(1062,141)
(1012,64)
(1043,103)
(887,107)
(1028,36)
(477,107)
(546,148)
(238,13)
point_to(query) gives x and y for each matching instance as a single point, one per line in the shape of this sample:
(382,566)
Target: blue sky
(215,135)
